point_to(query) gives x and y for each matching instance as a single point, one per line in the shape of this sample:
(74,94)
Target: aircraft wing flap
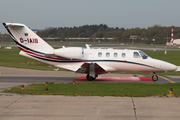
(99,69)
(85,69)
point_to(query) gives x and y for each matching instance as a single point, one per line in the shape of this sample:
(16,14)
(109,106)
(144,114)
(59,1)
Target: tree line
(158,33)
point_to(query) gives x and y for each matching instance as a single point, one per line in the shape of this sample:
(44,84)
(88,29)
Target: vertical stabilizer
(26,39)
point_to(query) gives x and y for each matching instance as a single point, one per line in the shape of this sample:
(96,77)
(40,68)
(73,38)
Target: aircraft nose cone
(165,66)
(171,67)
(174,67)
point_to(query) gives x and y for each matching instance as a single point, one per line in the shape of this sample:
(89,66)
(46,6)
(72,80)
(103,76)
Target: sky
(40,14)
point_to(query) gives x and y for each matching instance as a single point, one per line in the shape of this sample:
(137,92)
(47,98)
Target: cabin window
(100,54)
(115,55)
(123,55)
(136,55)
(107,54)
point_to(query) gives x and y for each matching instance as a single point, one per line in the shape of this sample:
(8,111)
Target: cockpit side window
(136,55)
(143,55)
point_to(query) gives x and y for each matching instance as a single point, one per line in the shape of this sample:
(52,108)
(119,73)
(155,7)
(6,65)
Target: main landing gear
(154,77)
(90,78)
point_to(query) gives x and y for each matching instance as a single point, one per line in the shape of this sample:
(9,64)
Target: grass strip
(99,89)
(11,58)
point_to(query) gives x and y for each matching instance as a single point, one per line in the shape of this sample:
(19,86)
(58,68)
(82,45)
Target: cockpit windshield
(143,55)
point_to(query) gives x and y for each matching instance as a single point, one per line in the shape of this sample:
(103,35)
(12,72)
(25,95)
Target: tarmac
(52,107)
(58,107)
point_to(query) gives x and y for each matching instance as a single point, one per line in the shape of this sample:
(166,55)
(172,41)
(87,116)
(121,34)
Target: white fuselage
(111,60)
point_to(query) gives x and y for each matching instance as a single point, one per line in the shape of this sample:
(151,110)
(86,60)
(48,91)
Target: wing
(85,68)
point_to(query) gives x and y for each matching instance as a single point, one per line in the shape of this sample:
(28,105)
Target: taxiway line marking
(167,79)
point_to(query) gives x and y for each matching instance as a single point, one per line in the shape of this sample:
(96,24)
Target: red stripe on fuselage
(38,55)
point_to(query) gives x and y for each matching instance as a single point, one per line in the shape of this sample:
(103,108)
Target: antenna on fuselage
(87,46)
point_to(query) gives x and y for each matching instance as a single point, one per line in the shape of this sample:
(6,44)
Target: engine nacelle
(71,52)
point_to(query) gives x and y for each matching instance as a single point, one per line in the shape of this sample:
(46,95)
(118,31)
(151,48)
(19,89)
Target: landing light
(22,87)
(170,90)
(46,83)
(46,90)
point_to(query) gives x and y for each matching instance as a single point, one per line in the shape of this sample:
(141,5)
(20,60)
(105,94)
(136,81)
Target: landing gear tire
(90,78)
(154,77)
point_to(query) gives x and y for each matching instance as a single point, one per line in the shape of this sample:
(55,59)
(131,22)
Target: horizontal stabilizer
(12,24)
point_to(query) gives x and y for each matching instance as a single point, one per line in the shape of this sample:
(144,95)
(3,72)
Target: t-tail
(26,39)
(32,46)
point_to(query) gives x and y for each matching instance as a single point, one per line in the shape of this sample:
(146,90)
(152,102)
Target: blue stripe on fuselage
(83,61)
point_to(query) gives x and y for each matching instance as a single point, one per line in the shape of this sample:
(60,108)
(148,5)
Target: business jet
(91,62)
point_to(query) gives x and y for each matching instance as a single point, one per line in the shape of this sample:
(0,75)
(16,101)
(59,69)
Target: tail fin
(26,39)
